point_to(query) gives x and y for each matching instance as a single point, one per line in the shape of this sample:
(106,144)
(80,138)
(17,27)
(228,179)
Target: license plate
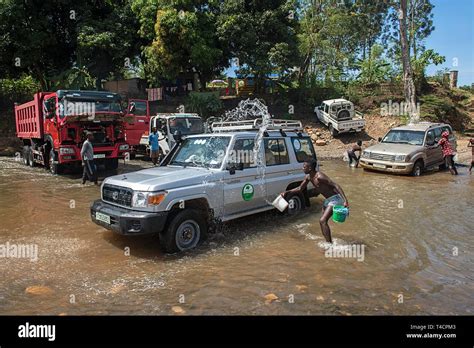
(381,166)
(100,155)
(102,217)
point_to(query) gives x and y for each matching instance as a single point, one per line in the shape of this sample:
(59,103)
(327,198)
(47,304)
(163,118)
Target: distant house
(137,88)
(129,88)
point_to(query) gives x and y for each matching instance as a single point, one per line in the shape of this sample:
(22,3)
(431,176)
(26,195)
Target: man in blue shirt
(154,146)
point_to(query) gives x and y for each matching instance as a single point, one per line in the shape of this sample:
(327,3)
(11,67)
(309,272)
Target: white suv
(207,178)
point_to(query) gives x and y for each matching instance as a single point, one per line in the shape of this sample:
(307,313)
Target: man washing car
(325,186)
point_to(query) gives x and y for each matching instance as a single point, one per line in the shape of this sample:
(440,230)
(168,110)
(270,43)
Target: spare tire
(343,115)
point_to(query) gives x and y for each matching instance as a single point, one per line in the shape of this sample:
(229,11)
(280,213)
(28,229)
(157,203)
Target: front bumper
(128,222)
(385,166)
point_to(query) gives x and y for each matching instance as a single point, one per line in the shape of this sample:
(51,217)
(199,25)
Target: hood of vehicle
(162,178)
(393,149)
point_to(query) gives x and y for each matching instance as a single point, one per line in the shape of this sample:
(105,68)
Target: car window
(430,137)
(243,152)
(447,128)
(276,152)
(303,149)
(437,133)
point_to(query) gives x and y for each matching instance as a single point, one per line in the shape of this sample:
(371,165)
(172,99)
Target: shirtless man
(357,147)
(329,189)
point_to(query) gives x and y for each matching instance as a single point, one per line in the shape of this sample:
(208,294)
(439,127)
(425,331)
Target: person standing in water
(325,186)
(357,147)
(87,154)
(471,145)
(448,152)
(154,146)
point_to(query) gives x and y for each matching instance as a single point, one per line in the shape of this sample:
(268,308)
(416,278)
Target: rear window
(303,148)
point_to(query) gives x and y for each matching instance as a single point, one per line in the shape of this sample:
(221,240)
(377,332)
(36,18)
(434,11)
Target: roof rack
(255,124)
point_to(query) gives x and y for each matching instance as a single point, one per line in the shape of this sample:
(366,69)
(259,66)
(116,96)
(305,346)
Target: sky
(453,37)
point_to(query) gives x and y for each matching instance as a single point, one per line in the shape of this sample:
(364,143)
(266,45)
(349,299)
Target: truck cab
(137,123)
(168,124)
(236,171)
(53,125)
(340,116)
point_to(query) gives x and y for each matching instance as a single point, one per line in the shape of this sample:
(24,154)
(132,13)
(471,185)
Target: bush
(206,104)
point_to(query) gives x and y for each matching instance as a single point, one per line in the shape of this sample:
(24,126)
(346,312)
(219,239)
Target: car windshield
(186,125)
(207,152)
(404,137)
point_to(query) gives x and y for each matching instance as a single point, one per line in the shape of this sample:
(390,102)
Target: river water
(417,234)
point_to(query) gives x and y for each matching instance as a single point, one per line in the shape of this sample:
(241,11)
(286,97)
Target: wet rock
(269,298)
(39,290)
(178,310)
(320,142)
(318,134)
(314,137)
(301,287)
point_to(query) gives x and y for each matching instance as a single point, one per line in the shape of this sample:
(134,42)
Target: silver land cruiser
(208,178)
(408,149)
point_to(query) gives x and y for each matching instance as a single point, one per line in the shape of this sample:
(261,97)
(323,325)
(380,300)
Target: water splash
(254,109)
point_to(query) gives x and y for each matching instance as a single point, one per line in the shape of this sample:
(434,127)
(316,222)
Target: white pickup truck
(340,116)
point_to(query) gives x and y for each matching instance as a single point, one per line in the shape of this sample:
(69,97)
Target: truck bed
(29,118)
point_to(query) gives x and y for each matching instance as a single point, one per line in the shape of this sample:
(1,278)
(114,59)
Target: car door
(439,152)
(278,170)
(244,190)
(431,149)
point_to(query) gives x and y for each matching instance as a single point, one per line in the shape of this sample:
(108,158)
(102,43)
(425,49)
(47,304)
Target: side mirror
(132,108)
(232,167)
(430,143)
(380,139)
(177,137)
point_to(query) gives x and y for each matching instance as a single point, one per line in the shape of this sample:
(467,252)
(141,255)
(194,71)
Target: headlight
(66,150)
(400,158)
(365,154)
(124,147)
(146,199)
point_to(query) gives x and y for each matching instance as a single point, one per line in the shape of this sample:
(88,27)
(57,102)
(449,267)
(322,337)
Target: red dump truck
(52,127)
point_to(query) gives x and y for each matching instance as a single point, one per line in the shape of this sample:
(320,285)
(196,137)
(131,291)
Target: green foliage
(17,90)
(261,35)
(206,104)
(374,69)
(442,108)
(420,64)
(181,37)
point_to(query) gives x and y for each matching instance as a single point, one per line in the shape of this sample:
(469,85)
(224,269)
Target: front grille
(117,195)
(382,157)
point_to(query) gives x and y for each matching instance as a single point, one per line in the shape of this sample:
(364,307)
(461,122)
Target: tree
(36,38)
(374,69)
(107,38)
(184,39)
(261,36)
(408,83)
(333,36)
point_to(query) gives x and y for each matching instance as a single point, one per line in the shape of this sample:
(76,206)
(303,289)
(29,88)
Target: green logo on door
(247,192)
